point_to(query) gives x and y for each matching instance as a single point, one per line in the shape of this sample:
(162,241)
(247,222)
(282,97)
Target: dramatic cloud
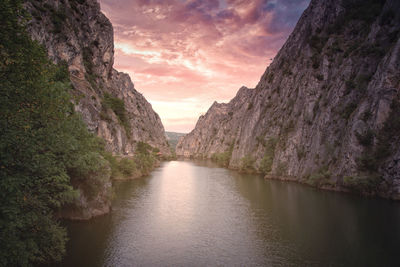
(185,54)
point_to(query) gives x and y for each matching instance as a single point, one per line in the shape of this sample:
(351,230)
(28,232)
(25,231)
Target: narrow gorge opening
(95,94)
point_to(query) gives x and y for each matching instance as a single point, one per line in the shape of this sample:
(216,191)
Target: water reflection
(195,213)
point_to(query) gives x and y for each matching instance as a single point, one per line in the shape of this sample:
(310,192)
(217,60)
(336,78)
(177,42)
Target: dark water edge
(194,213)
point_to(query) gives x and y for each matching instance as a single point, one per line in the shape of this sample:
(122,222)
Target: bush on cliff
(223,158)
(269,155)
(247,163)
(142,162)
(118,106)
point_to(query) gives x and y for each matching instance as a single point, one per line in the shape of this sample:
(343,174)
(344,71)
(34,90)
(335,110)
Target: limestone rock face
(329,103)
(76,32)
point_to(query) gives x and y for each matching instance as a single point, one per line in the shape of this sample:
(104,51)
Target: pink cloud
(175,50)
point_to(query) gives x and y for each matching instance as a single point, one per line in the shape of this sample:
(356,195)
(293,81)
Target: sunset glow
(184,55)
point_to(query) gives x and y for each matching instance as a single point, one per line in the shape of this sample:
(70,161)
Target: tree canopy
(44,145)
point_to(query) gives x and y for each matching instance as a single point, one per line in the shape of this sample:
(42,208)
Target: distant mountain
(173,138)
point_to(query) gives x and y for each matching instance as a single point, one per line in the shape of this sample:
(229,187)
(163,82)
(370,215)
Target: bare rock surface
(326,111)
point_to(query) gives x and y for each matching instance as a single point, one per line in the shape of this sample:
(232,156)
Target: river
(189,213)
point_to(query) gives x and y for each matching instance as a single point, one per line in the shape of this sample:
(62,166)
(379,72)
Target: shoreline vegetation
(319,180)
(49,161)
(216,158)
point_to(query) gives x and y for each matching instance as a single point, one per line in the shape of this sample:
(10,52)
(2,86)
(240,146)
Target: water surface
(194,213)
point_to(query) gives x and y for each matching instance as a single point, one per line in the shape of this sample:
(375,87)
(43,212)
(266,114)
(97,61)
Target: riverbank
(95,199)
(193,212)
(321,180)
(335,188)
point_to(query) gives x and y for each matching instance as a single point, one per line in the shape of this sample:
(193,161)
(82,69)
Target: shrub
(118,106)
(320,177)
(368,162)
(221,158)
(260,140)
(145,157)
(366,115)
(319,77)
(58,18)
(316,42)
(127,167)
(269,155)
(266,164)
(288,128)
(247,163)
(301,153)
(145,162)
(87,56)
(281,169)
(104,116)
(224,158)
(373,157)
(363,183)
(143,148)
(367,138)
(114,164)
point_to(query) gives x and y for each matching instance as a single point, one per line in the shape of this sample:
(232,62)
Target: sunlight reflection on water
(194,213)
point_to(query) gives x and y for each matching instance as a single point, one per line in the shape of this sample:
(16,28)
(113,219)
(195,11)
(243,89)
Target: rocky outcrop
(326,111)
(76,34)
(86,207)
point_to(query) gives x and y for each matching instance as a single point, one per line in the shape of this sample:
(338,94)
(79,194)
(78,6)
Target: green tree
(44,146)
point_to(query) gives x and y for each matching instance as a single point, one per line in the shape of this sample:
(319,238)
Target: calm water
(194,213)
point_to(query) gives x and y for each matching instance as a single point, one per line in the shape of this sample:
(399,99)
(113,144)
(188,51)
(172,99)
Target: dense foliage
(247,163)
(118,106)
(44,146)
(269,155)
(140,164)
(223,158)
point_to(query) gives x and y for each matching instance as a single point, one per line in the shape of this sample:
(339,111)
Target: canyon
(325,112)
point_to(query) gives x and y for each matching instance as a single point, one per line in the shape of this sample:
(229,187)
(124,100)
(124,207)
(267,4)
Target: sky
(183,55)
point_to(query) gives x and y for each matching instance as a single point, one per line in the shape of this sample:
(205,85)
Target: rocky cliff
(326,111)
(77,34)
